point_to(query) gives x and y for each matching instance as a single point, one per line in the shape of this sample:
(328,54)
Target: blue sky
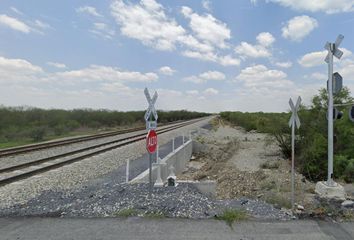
(209,56)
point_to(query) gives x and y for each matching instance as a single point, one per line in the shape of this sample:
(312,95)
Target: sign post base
(335,192)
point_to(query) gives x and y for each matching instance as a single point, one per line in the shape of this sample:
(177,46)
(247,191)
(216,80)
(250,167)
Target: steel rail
(121,142)
(39,146)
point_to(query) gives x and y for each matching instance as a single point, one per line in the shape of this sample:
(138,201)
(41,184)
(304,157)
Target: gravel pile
(112,199)
(181,201)
(256,208)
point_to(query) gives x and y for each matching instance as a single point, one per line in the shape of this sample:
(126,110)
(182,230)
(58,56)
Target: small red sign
(151,141)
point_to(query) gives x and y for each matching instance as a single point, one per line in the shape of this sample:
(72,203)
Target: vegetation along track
(39,146)
(28,169)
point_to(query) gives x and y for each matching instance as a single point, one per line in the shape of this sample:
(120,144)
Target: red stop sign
(151,141)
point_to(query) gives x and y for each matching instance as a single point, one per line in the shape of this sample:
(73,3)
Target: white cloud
(207,28)
(265,39)
(105,73)
(148,23)
(229,61)
(259,76)
(7,64)
(206,5)
(284,64)
(260,50)
(254,51)
(211,91)
(15,10)
(57,65)
(21,70)
(41,24)
(299,27)
(212,75)
(327,6)
(193,79)
(18,25)
(115,87)
(18,70)
(313,59)
(346,69)
(206,76)
(192,92)
(191,42)
(88,10)
(166,70)
(99,87)
(210,56)
(14,24)
(319,76)
(102,30)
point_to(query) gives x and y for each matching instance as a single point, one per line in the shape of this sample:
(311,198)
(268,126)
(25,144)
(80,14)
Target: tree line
(26,124)
(311,138)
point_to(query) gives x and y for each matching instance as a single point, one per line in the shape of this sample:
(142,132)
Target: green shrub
(38,133)
(232,215)
(127,212)
(311,139)
(60,130)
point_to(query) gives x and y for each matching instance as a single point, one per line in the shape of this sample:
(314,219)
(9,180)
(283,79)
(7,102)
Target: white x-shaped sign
(294,117)
(336,52)
(151,109)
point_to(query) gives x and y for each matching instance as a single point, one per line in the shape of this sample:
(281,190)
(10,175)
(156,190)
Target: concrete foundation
(336,192)
(178,159)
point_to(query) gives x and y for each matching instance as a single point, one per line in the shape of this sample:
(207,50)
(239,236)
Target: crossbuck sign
(151,110)
(294,117)
(294,120)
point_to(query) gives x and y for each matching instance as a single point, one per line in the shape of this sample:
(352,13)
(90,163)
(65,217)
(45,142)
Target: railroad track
(39,146)
(21,171)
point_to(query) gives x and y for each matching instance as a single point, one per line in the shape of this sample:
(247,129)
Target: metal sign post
(294,121)
(332,51)
(151,144)
(151,139)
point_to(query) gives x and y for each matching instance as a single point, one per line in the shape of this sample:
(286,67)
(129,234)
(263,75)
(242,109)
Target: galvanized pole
(127,172)
(330,115)
(173,145)
(157,153)
(294,121)
(293,165)
(150,170)
(150,174)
